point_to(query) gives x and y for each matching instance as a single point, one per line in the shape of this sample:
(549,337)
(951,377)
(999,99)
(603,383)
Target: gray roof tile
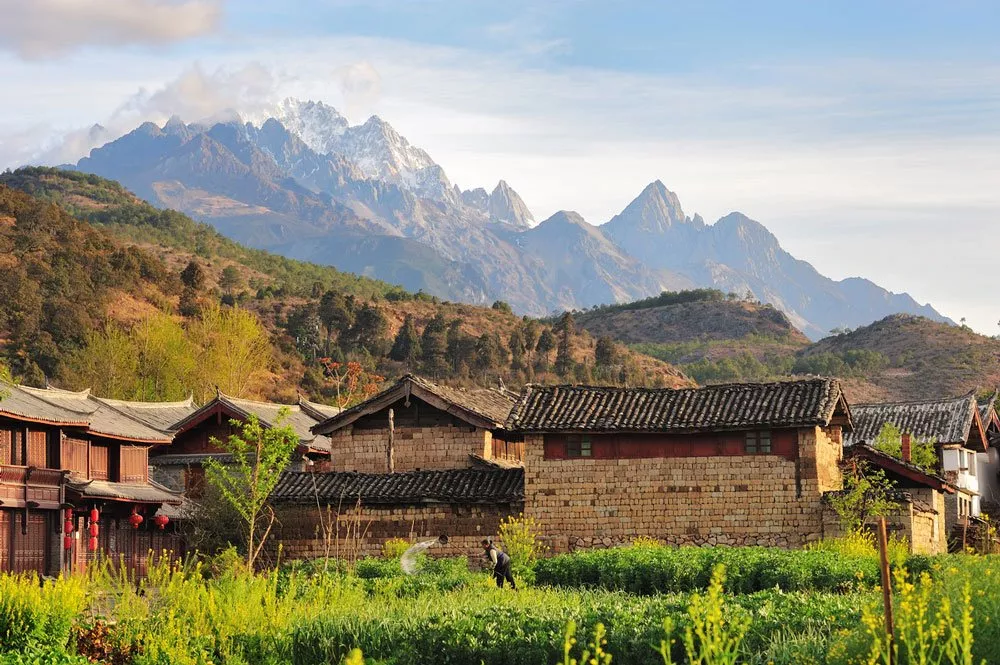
(711,408)
(945,420)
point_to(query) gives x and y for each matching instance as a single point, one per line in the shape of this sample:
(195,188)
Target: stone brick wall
(732,499)
(439,447)
(362,530)
(924,531)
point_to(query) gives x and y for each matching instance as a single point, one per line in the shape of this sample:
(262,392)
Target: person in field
(500,562)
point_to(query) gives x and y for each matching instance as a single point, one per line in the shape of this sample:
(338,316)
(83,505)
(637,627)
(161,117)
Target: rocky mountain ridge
(304,182)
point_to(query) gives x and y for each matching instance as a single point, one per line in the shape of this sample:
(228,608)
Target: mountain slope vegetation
(113,271)
(715,337)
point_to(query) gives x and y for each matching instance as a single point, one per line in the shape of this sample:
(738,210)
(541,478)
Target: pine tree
(193,276)
(406,347)
(546,342)
(517,349)
(461,349)
(434,344)
(488,352)
(605,353)
(337,314)
(369,330)
(564,359)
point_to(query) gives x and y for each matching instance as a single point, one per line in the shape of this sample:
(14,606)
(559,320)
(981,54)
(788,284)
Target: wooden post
(883,546)
(390,462)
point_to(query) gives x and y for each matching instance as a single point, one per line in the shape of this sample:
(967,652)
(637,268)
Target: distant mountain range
(303,182)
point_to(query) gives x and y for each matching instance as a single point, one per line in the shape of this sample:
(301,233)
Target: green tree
(234,351)
(488,352)
(369,330)
(518,349)
(259,456)
(406,347)
(230,280)
(336,311)
(501,306)
(193,276)
(566,328)
(461,349)
(167,360)
(606,352)
(546,342)
(923,452)
(434,346)
(867,494)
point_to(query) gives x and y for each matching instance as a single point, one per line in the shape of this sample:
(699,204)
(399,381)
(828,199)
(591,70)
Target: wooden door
(31,548)
(5,527)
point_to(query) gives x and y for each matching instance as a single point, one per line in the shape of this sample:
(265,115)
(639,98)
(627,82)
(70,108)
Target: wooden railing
(31,486)
(30,475)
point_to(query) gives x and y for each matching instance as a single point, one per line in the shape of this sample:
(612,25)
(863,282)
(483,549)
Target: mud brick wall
(716,499)
(362,530)
(438,447)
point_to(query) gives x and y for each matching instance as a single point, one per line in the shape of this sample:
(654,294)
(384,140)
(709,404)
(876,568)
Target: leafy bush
(520,538)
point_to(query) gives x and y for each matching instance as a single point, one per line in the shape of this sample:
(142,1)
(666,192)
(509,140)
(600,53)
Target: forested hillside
(110,293)
(717,337)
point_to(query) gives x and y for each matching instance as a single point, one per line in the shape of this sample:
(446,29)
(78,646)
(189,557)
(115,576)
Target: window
(578,445)
(758,443)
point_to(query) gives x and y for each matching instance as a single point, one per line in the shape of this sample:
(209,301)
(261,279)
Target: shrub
(394,548)
(520,538)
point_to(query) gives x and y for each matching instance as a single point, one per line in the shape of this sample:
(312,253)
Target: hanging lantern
(135,519)
(92,544)
(93,530)
(68,526)
(94,515)
(67,542)
(69,514)
(161,521)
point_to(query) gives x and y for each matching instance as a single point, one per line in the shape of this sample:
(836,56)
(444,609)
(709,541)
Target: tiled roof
(318,411)
(158,415)
(944,420)
(21,404)
(143,493)
(464,486)
(185,459)
(712,408)
(98,417)
(483,407)
(907,470)
(300,418)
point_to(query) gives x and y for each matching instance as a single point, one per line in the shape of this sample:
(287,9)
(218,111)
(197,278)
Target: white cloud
(46,28)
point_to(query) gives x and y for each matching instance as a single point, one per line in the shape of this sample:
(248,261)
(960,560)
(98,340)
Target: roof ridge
(230,398)
(140,404)
(38,393)
(939,400)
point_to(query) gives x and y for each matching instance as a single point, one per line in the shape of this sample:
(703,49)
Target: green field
(651,604)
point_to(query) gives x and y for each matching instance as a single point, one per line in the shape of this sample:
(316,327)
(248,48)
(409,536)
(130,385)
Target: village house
(989,462)
(417,425)
(738,464)
(179,467)
(74,483)
(919,496)
(956,427)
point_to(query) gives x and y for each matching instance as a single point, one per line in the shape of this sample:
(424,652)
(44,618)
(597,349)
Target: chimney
(905,446)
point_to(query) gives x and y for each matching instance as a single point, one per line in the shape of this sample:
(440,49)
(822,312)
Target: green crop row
(651,570)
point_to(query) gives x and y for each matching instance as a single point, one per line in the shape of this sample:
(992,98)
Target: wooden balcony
(30,486)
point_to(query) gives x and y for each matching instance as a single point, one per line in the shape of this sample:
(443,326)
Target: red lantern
(92,544)
(94,515)
(161,521)
(135,519)
(69,514)
(67,542)
(68,526)
(93,530)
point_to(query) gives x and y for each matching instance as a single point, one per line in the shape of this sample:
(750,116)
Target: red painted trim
(784,443)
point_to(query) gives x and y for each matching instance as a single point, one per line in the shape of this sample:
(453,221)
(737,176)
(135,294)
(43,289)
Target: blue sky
(866,135)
